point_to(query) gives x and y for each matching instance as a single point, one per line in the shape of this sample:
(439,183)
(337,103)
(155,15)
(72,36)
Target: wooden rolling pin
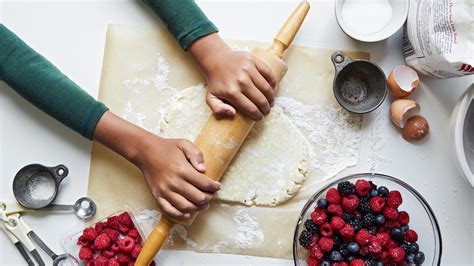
(220,139)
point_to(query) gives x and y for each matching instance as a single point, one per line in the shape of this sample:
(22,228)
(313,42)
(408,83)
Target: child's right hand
(173,170)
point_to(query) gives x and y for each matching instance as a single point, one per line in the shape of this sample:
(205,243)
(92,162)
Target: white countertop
(72,35)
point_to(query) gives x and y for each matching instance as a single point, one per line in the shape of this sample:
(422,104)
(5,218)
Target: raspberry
(340,263)
(82,241)
(313,262)
(375,248)
(122,258)
(113,262)
(133,233)
(136,251)
(100,226)
(316,252)
(91,263)
(337,223)
(385,257)
(382,238)
(345,188)
(85,253)
(101,261)
(123,229)
(394,199)
(391,244)
(363,237)
(305,238)
(89,234)
(112,234)
(377,203)
(403,218)
(397,254)
(126,220)
(362,187)
(113,222)
(392,224)
(326,230)
(333,196)
(115,247)
(126,245)
(102,241)
(411,236)
(326,244)
(335,209)
(350,203)
(319,216)
(314,240)
(390,213)
(357,262)
(364,251)
(108,253)
(347,231)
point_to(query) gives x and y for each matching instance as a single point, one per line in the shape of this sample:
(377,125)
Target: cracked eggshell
(401,110)
(402,81)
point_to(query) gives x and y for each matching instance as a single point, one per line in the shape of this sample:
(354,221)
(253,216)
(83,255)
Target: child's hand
(172,167)
(234,78)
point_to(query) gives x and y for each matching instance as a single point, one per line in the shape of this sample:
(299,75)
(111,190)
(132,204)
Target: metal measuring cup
(36,186)
(359,86)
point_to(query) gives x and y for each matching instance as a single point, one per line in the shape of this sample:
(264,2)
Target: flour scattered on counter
(377,142)
(334,135)
(248,230)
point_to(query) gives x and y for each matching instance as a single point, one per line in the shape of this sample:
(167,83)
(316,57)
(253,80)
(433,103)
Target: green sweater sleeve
(41,83)
(184,19)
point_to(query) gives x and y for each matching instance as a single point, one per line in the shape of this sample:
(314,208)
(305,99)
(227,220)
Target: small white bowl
(462,128)
(376,32)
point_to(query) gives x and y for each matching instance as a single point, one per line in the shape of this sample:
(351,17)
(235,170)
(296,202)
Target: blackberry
(345,188)
(372,230)
(322,203)
(369,262)
(364,206)
(305,238)
(356,223)
(343,250)
(311,226)
(368,220)
(347,216)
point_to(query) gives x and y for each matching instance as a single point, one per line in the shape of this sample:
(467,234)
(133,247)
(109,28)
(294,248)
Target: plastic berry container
(69,241)
(422,218)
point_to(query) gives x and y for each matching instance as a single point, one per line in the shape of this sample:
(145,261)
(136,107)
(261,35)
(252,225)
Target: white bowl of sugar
(371,20)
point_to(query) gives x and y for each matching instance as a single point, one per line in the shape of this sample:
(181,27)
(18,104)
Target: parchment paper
(128,87)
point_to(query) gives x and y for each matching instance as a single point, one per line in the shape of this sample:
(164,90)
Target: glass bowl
(422,218)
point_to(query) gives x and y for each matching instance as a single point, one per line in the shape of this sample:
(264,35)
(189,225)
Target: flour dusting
(248,230)
(377,141)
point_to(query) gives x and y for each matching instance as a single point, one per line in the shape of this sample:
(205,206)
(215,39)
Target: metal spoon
(84,208)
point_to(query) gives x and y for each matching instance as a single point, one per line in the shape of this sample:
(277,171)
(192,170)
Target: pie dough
(269,168)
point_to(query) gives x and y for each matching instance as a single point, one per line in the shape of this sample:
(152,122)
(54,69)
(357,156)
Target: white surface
(72,35)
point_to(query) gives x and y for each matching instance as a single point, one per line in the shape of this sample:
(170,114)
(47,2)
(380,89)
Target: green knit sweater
(41,83)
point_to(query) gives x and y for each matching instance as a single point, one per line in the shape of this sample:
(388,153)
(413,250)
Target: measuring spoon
(84,208)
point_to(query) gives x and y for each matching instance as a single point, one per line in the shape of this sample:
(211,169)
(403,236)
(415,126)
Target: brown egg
(401,110)
(402,81)
(416,128)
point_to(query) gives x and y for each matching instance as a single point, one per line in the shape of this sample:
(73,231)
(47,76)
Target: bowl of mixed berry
(367,219)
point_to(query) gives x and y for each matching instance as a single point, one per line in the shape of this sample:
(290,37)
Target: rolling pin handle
(155,240)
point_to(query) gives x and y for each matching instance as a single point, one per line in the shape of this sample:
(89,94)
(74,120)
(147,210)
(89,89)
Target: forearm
(203,49)
(120,136)
(184,19)
(42,84)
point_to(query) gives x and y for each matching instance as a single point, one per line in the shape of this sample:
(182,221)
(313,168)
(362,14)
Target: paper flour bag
(439,37)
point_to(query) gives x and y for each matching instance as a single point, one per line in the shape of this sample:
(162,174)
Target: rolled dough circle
(269,168)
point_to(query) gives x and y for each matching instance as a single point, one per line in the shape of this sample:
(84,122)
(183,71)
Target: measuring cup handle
(340,60)
(60,172)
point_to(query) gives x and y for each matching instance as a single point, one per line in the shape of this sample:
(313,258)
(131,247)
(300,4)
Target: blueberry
(369,262)
(350,258)
(404,228)
(337,240)
(353,247)
(397,234)
(383,191)
(335,256)
(380,219)
(409,258)
(379,263)
(413,248)
(419,257)
(347,216)
(373,193)
(325,263)
(322,203)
